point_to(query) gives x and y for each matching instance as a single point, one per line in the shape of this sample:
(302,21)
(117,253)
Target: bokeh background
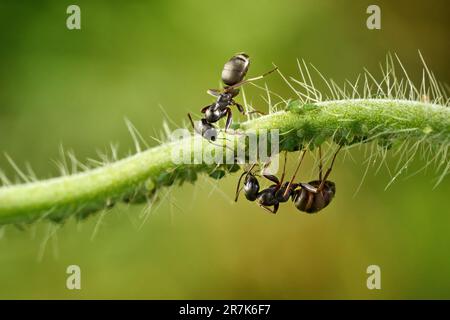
(74,88)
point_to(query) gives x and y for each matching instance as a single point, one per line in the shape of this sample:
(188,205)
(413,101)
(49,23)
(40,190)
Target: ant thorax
(224,99)
(213,114)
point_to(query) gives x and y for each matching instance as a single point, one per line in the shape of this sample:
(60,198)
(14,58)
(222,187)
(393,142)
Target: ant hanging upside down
(269,197)
(233,74)
(308,197)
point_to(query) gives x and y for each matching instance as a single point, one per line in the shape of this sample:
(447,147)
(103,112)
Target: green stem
(136,178)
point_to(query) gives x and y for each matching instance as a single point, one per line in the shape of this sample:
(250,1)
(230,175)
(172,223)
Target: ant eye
(210,134)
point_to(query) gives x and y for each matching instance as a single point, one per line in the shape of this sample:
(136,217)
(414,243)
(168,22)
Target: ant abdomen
(311,200)
(235,69)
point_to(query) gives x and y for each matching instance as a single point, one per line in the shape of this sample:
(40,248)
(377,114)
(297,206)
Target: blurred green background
(76,87)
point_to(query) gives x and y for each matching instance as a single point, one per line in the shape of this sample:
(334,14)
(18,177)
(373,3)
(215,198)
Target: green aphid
(165,179)
(385,143)
(232,167)
(235,125)
(149,185)
(290,143)
(217,174)
(297,107)
(187,175)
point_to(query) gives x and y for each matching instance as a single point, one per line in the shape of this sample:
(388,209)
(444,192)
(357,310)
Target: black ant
(233,74)
(308,197)
(269,197)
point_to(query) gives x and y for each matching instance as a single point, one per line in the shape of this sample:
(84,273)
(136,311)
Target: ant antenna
(295,173)
(245,173)
(192,123)
(240,83)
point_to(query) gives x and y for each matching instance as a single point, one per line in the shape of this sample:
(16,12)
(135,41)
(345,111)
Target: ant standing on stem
(233,74)
(308,197)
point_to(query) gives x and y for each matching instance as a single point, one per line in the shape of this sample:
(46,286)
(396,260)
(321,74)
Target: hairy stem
(138,177)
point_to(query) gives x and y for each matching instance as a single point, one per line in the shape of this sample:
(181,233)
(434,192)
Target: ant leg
(284,168)
(272,178)
(309,187)
(275,207)
(295,172)
(229,119)
(234,86)
(274,210)
(239,106)
(241,109)
(255,111)
(310,201)
(214,92)
(267,163)
(320,163)
(238,190)
(322,183)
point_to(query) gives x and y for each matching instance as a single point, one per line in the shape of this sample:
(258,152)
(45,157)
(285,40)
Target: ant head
(330,186)
(204,128)
(251,187)
(251,178)
(207,130)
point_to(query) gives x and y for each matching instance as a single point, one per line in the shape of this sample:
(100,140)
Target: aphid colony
(308,197)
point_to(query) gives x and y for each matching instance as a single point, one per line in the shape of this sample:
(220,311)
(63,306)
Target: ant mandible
(233,74)
(308,197)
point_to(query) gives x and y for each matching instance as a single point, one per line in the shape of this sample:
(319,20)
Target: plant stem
(136,178)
